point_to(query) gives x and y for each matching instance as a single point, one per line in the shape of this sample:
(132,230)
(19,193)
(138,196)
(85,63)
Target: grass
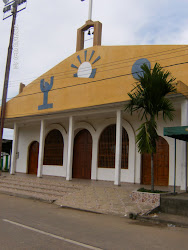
(149,191)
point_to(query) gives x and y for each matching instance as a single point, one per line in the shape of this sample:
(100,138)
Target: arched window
(53,149)
(107,148)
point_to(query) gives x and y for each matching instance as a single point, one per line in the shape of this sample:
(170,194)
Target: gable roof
(109,78)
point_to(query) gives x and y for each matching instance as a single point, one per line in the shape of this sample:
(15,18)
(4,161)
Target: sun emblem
(85,70)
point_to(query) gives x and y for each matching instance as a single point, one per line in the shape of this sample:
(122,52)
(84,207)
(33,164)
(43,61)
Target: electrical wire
(116,63)
(41,115)
(100,71)
(90,82)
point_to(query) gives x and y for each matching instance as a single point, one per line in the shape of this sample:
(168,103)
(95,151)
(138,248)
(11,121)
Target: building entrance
(82,155)
(33,158)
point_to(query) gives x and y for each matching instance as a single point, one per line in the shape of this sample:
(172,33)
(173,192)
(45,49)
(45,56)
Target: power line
(119,62)
(13,85)
(104,79)
(27,114)
(61,78)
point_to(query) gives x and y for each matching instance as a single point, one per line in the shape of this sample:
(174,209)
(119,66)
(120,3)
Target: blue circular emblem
(136,68)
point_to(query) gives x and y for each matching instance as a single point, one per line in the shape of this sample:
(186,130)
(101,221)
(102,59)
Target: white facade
(95,120)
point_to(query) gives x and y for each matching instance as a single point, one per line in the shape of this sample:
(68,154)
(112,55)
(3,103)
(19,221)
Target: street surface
(28,224)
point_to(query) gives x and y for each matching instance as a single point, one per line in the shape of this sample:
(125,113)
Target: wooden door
(161,165)
(33,158)
(82,155)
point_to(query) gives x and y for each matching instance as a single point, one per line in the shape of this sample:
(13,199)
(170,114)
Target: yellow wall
(111,84)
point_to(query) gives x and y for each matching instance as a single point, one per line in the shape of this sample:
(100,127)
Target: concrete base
(175,204)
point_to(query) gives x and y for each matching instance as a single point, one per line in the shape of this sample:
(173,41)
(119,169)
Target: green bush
(149,191)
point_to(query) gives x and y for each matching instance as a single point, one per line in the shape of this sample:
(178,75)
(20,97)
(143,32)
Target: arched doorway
(33,158)
(53,149)
(82,155)
(107,148)
(161,165)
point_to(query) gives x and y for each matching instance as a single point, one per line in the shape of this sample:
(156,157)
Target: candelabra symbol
(45,88)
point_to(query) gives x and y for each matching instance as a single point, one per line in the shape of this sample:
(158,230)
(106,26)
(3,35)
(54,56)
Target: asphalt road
(29,224)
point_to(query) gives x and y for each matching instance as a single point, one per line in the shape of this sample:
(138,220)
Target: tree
(148,99)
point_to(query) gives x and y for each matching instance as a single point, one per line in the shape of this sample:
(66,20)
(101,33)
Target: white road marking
(52,235)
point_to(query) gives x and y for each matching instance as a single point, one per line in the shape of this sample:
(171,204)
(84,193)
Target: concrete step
(33,189)
(29,194)
(175,204)
(36,187)
(36,180)
(35,184)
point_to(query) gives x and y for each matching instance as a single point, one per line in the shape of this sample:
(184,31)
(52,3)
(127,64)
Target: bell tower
(97,31)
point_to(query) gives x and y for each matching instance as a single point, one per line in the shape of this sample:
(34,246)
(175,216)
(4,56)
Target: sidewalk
(87,195)
(95,196)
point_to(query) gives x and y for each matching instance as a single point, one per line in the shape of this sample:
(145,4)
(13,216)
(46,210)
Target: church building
(70,121)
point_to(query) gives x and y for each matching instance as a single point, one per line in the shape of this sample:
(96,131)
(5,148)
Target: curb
(80,209)
(25,196)
(162,221)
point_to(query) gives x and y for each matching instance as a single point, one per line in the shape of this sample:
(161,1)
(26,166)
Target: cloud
(48,29)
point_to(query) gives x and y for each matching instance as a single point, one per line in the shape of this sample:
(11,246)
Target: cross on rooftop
(90,9)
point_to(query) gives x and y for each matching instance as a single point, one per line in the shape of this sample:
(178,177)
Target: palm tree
(148,98)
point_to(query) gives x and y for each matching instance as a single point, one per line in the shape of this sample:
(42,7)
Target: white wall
(57,170)
(29,134)
(127,175)
(96,127)
(25,137)
(54,170)
(135,123)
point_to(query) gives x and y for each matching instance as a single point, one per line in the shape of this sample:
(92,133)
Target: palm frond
(167,109)
(147,136)
(148,98)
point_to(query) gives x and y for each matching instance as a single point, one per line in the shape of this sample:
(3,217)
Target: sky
(46,32)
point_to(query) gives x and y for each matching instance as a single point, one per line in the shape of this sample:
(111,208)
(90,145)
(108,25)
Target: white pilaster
(41,149)
(184,122)
(14,149)
(118,148)
(70,148)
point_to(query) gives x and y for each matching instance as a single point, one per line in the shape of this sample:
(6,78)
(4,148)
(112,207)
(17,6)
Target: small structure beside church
(70,122)
(6,154)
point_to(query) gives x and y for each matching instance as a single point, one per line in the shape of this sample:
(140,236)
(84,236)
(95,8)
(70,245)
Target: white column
(14,149)
(137,174)
(118,148)
(184,122)
(184,113)
(41,149)
(70,148)
(94,167)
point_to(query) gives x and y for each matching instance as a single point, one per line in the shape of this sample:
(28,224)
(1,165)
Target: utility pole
(13,8)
